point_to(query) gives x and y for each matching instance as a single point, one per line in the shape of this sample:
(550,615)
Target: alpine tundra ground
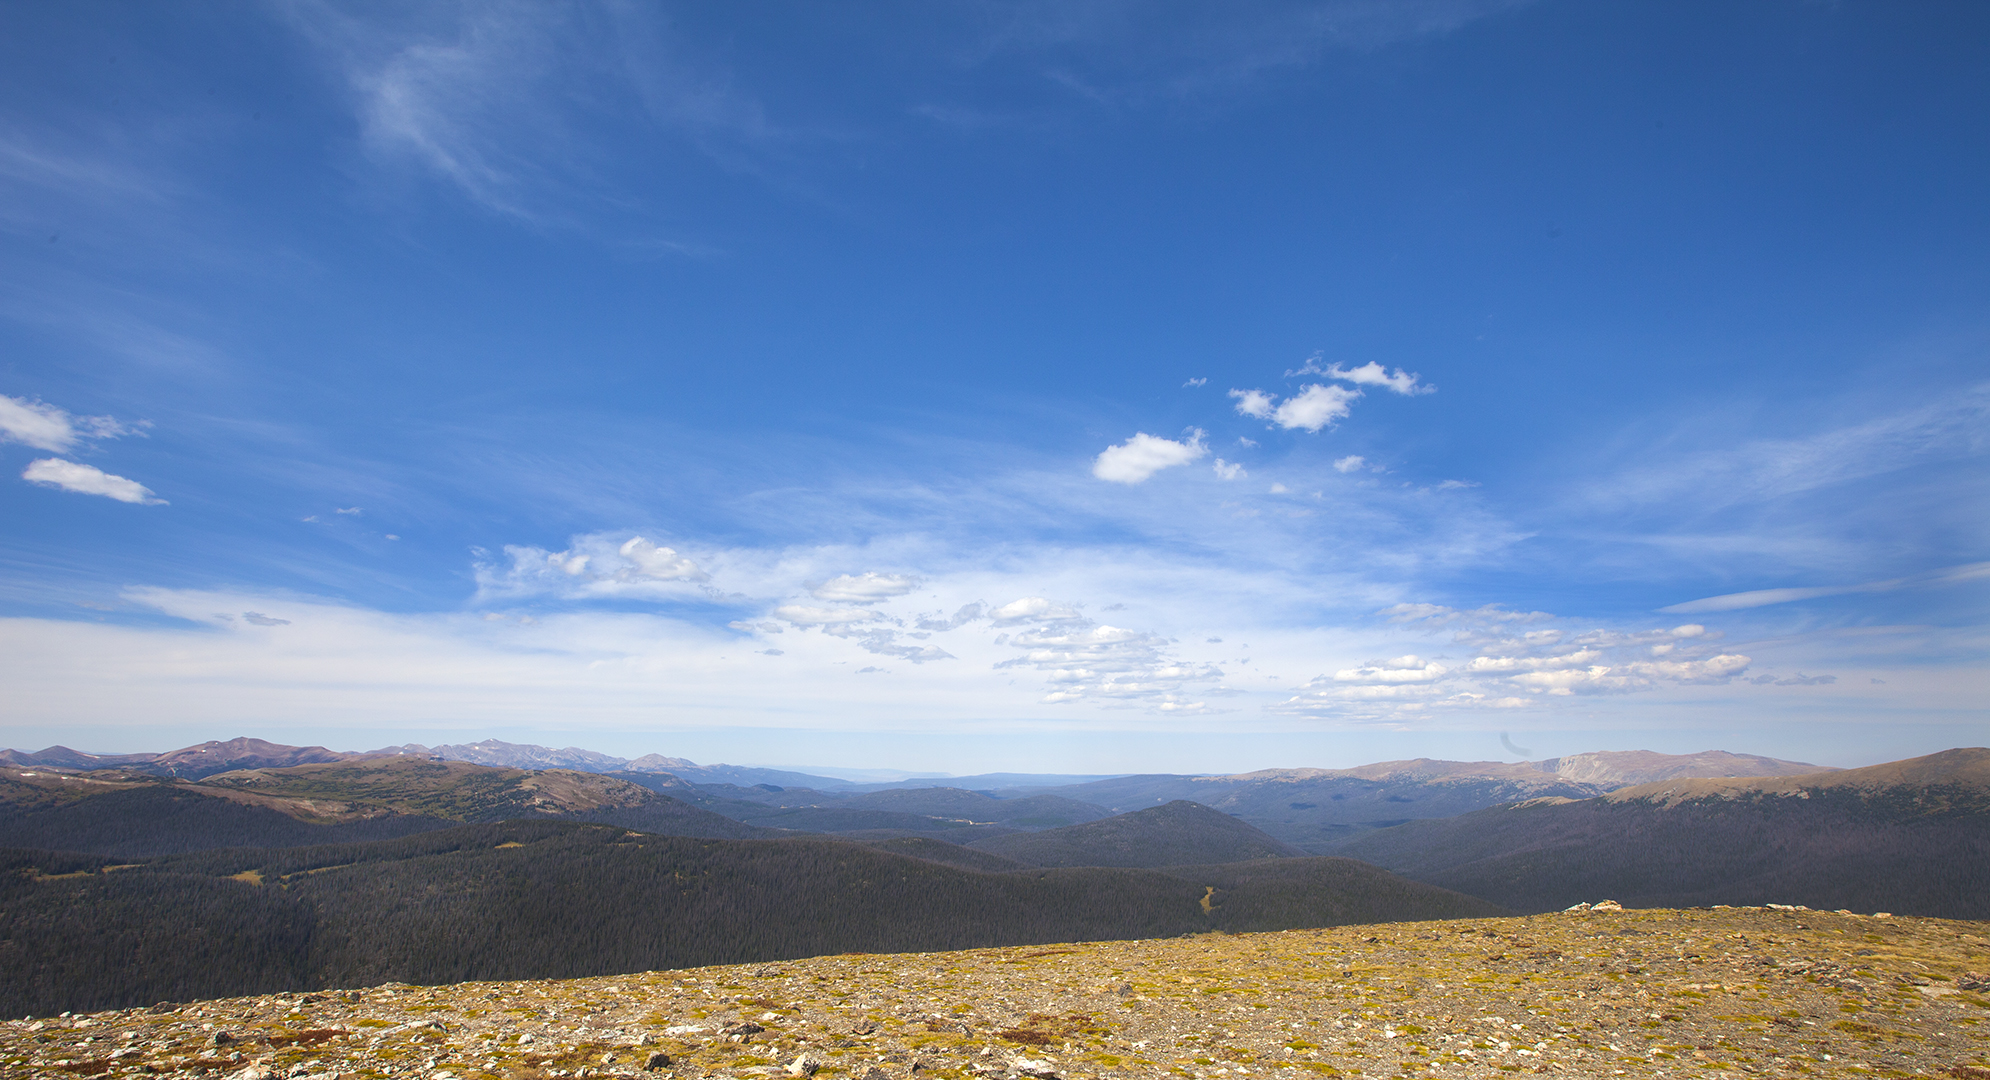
(1599,993)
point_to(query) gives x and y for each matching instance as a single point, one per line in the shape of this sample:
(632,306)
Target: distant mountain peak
(1606,769)
(1963,767)
(1622,768)
(659,763)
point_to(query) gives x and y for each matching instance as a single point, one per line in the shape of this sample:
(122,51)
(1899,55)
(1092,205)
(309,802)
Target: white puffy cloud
(1506,665)
(653,563)
(1314,407)
(1587,666)
(45,427)
(1403,669)
(1600,679)
(1513,666)
(1255,403)
(1600,661)
(800,615)
(1082,660)
(1034,609)
(968,613)
(1098,662)
(1372,374)
(872,631)
(885,642)
(1632,677)
(1226,470)
(860,627)
(88,480)
(1140,457)
(1619,639)
(597,567)
(1349,463)
(865,588)
(1713,669)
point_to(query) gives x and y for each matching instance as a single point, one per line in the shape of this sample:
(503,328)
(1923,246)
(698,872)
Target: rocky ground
(1601,993)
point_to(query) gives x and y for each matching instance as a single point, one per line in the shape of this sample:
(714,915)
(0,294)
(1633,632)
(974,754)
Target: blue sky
(1071,386)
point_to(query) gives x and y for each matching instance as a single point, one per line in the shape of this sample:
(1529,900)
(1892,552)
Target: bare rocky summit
(1613,768)
(1598,993)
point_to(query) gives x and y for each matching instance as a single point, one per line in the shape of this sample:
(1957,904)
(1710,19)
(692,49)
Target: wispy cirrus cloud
(1765,597)
(521,106)
(1116,53)
(506,101)
(59,166)
(1759,469)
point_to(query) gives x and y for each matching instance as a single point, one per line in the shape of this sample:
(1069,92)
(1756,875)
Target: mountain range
(1909,835)
(284,864)
(127,813)
(1313,810)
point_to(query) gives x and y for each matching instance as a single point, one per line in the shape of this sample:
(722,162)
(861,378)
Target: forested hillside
(1178,833)
(544,899)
